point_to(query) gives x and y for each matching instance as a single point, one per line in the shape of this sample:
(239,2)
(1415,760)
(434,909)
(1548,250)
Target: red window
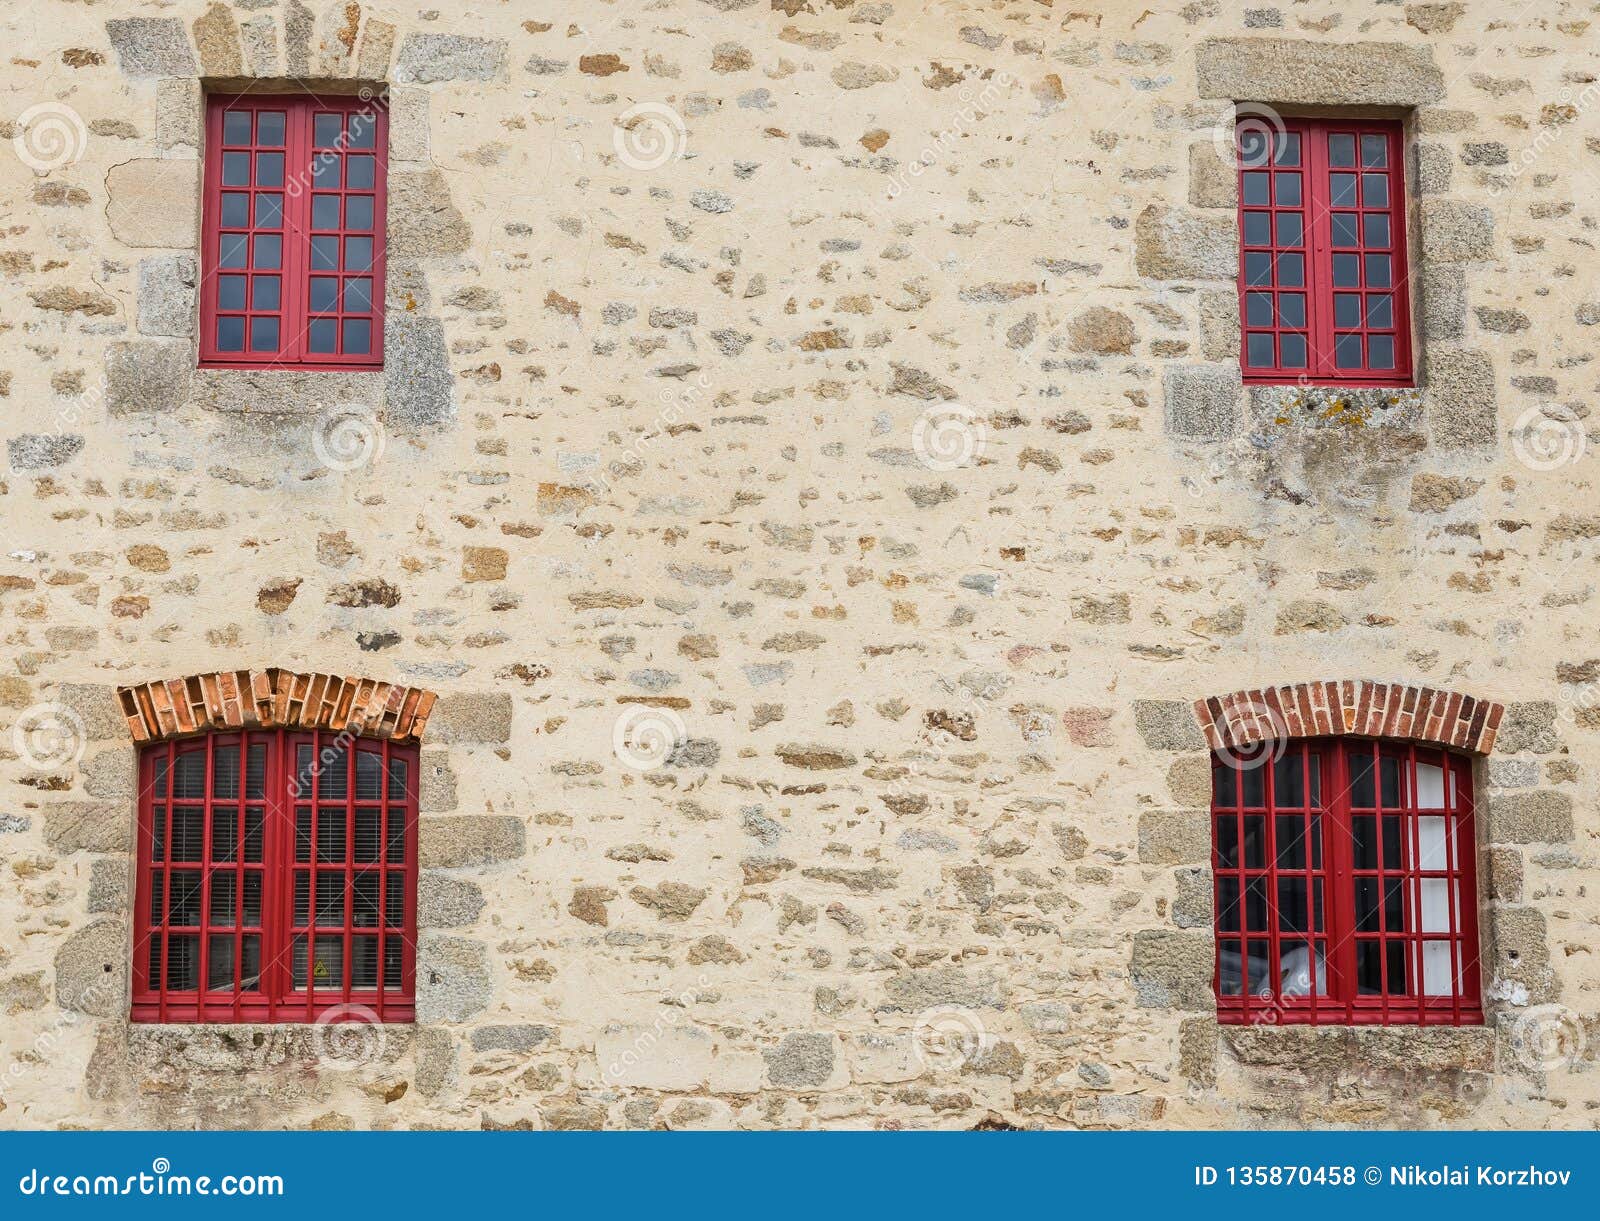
(292,246)
(277,878)
(1345,886)
(1322,252)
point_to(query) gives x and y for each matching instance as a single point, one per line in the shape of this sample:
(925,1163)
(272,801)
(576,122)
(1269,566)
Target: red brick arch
(1350,707)
(274,699)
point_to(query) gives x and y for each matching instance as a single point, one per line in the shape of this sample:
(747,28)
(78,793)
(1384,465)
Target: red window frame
(293,159)
(1340,854)
(1322,226)
(216,812)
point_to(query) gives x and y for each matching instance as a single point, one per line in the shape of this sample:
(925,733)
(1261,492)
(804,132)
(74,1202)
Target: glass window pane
(269,210)
(1258,972)
(1342,189)
(369,776)
(236,127)
(1230,975)
(250,963)
(357,336)
(1344,229)
(324,293)
(224,836)
(358,212)
(1347,352)
(1258,351)
(360,172)
(230,292)
(1361,787)
(1389,781)
(1377,270)
(230,333)
(1254,146)
(1286,190)
(364,909)
(1346,309)
(183,963)
(325,172)
(1255,904)
(1292,351)
(1253,789)
(1436,915)
(369,833)
(1288,148)
(1294,905)
(1257,269)
(1304,970)
(1367,905)
(394,949)
(264,334)
(1292,309)
(326,130)
(325,254)
(1364,841)
(1374,151)
(302,834)
(1258,228)
(268,251)
(1257,188)
(1397,953)
(269,169)
(1292,270)
(358,296)
(1227,905)
(1290,831)
(324,211)
(397,835)
(269,128)
(1380,352)
(254,821)
(1347,270)
(1258,309)
(360,130)
(1255,841)
(220,911)
(1227,841)
(219,963)
(235,209)
(358,254)
(364,963)
(323,336)
(264,292)
(327,970)
(1288,781)
(1432,851)
(1375,230)
(183,901)
(330,899)
(1341,149)
(225,771)
(330,833)
(1375,190)
(398,772)
(1289,229)
(232,250)
(1380,310)
(1438,976)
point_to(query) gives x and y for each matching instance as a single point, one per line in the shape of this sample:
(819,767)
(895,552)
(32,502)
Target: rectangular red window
(1322,252)
(1346,886)
(277,879)
(292,246)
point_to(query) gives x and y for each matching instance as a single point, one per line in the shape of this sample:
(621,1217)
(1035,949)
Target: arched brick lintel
(274,699)
(1354,707)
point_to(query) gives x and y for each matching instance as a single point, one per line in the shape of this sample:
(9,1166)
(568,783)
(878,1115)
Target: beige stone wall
(854,385)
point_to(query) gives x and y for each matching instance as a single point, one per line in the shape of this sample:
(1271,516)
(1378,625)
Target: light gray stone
(1176,244)
(148,375)
(178,111)
(410,138)
(88,826)
(1202,401)
(1529,726)
(463,840)
(91,970)
(1192,906)
(1172,970)
(95,704)
(471,717)
(1326,72)
(1219,324)
(1460,397)
(436,1060)
(446,902)
(155,202)
(429,58)
(1444,301)
(167,295)
(919,988)
(1538,817)
(108,885)
(1433,169)
(512,1038)
(1167,725)
(37,451)
(418,384)
(802,1060)
(1213,179)
(437,793)
(453,981)
(1174,837)
(1455,232)
(110,774)
(151,46)
(283,392)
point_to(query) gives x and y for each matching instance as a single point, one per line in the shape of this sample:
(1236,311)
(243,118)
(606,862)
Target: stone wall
(811,467)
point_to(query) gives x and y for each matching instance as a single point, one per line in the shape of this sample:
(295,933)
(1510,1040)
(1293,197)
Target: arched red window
(1346,887)
(277,878)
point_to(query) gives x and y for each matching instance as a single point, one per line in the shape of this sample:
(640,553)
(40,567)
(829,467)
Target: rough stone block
(1176,244)
(465,840)
(167,295)
(1174,837)
(446,902)
(1542,816)
(803,1060)
(512,1038)
(921,988)
(216,34)
(155,201)
(110,774)
(148,375)
(1455,232)
(1197,1050)
(37,451)
(1172,970)
(1326,72)
(1167,725)
(1529,727)
(1202,401)
(1522,953)
(95,704)
(437,792)
(285,392)
(151,46)
(471,717)
(417,381)
(88,826)
(1193,906)
(91,970)
(1444,301)
(410,137)
(428,58)
(108,885)
(1213,178)
(1219,325)
(1459,397)
(453,981)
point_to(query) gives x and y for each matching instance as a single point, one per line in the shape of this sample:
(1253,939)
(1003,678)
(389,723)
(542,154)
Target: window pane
(1394,856)
(1227,905)
(254,821)
(236,127)
(1294,905)
(330,899)
(358,255)
(1344,229)
(264,291)
(1438,976)
(358,212)
(235,209)
(1227,841)
(1286,189)
(1364,841)
(398,772)
(269,210)
(1253,789)
(1292,309)
(183,899)
(256,771)
(1254,145)
(1258,351)
(235,169)
(1346,309)
(1255,841)
(1342,190)
(264,334)
(230,333)
(358,296)
(1374,151)
(1436,916)
(269,128)
(1380,352)
(325,172)
(364,963)
(1367,905)
(1257,188)
(1377,270)
(324,211)
(357,336)
(1389,781)
(269,169)
(1255,904)
(1304,969)
(1258,269)
(1375,229)
(224,837)
(186,843)
(1292,270)
(330,833)
(1380,310)
(1375,190)
(1288,148)
(360,130)
(364,909)
(230,292)
(1346,270)
(183,963)
(250,963)
(324,254)
(219,963)
(1258,309)
(328,968)
(326,130)
(1347,352)
(394,949)
(369,833)
(369,776)
(1341,149)
(1230,977)
(1292,351)
(324,293)
(323,336)
(1431,847)
(360,172)
(232,250)
(1288,781)
(1289,230)
(252,898)
(1258,228)
(1290,831)
(397,835)
(268,252)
